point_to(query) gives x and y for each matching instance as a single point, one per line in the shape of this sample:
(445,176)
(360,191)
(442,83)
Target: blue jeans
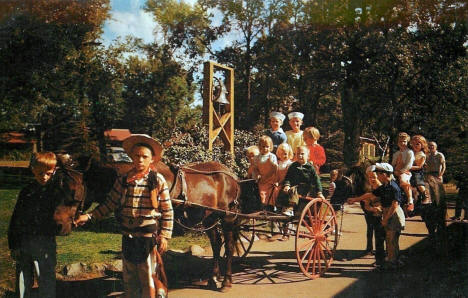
(36,254)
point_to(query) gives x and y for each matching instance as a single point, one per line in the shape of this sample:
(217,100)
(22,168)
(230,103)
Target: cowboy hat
(146,141)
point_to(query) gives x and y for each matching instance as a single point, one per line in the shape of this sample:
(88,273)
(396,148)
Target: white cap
(277,115)
(296,115)
(384,167)
(370,169)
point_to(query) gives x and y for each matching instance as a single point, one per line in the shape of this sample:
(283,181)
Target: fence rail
(14,163)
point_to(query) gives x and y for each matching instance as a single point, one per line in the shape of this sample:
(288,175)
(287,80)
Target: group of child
(286,165)
(389,195)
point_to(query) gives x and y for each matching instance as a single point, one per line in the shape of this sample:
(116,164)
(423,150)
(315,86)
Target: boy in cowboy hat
(143,207)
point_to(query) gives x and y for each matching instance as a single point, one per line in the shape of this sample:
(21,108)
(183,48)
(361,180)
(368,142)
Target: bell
(221,92)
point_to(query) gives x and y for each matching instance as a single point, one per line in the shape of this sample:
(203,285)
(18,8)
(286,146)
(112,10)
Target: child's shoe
(284,238)
(410,208)
(275,237)
(289,211)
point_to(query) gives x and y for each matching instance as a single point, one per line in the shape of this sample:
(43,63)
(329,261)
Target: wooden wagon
(315,232)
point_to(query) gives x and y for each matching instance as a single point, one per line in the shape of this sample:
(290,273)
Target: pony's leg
(215,241)
(228,231)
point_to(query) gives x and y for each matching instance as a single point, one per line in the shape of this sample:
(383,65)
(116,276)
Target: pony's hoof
(225,289)
(212,284)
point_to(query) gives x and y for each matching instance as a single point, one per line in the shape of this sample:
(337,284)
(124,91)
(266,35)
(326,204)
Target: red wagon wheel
(316,238)
(243,241)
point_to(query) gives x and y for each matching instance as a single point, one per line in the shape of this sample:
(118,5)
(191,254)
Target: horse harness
(182,198)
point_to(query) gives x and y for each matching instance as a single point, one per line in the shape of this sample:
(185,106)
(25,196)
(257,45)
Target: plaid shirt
(133,206)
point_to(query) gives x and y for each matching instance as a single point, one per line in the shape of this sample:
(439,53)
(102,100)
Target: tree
(156,92)
(46,49)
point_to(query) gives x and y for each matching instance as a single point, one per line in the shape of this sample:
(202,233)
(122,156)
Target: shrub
(191,146)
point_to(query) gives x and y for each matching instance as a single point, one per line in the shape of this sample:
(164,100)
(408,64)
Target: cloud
(137,23)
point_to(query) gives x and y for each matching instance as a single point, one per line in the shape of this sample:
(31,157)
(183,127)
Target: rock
(74,269)
(115,265)
(196,250)
(98,267)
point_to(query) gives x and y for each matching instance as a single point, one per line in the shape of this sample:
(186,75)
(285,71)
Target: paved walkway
(270,270)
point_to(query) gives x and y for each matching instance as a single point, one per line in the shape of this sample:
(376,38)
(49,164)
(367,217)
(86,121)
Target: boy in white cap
(142,205)
(295,138)
(393,219)
(276,133)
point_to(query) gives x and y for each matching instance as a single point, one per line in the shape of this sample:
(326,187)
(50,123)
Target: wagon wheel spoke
(311,255)
(308,253)
(304,235)
(308,243)
(310,228)
(315,217)
(330,254)
(242,242)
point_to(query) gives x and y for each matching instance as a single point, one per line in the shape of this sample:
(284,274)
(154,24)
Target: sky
(129,18)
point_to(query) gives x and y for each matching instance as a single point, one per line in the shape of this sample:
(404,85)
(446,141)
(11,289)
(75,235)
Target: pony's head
(68,192)
(359,184)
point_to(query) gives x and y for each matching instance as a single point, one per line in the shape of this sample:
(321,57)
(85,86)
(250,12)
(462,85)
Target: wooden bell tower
(218,104)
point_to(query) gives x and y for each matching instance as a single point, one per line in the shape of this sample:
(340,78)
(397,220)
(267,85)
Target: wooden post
(221,122)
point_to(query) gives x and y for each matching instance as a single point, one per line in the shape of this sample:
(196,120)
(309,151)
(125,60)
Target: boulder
(74,269)
(197,250)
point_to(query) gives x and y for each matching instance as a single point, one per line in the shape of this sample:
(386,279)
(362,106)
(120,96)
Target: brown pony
(215,186)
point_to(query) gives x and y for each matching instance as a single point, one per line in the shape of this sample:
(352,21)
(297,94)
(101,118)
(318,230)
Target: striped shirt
(133,206)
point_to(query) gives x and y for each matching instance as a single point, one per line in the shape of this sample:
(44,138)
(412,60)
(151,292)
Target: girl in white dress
(285,155)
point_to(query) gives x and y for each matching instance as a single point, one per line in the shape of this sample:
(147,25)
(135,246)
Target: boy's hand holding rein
(82,219)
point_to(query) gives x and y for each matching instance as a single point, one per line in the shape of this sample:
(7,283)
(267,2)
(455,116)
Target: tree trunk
(351,126)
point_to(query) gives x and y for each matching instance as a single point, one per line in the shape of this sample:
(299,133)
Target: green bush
(191,146)
(15,154)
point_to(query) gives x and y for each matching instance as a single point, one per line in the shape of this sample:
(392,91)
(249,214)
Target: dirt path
(270,270)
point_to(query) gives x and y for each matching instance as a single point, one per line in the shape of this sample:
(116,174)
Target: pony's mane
(360,183)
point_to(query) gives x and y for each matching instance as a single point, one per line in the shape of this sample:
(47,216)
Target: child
(276,133)
(393,219)
(141,202)
(294,135)
(332,185)
(317,153)
(265,167)
(373,212)
(419,146)
(251,152)
(301,180)
(402,161)
(285,155)
(31,234)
